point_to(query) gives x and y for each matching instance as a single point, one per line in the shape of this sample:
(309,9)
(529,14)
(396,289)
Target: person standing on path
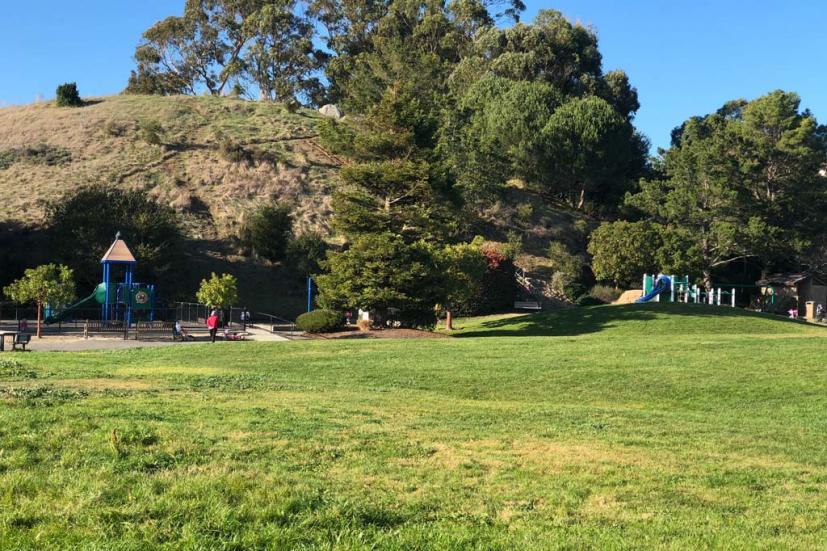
(212,324)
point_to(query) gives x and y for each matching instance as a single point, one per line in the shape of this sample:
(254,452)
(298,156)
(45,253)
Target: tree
(741,183)
(623,251)
(567,272)
(82,224)
(382,273)
(306,253)
(220,45)
(282,59)
(67,95)
(464,266)
(590,149)
(268,232)
(533,104)
(219,292)
(46,284)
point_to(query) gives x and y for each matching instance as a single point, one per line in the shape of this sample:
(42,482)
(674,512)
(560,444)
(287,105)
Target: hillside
(217,159)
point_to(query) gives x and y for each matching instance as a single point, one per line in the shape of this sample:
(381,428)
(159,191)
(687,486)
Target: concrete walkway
(76,343)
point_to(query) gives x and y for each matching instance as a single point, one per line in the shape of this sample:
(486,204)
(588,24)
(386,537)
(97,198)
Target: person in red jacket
(212,324)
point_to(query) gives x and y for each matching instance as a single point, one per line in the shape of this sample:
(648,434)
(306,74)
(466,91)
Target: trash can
(810,310)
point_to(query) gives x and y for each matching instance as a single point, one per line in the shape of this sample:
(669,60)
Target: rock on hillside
(215,157)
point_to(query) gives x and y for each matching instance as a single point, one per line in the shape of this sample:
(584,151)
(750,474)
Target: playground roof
(119,252)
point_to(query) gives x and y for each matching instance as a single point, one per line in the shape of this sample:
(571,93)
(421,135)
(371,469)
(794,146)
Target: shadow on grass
(584,320)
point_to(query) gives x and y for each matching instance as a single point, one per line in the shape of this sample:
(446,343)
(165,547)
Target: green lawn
(611,427)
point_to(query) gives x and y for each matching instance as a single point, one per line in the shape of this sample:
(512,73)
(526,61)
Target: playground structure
(671,288)
(119,302)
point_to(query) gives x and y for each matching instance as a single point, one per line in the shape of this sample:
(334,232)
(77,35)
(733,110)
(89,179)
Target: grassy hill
(218,158)
(675,427)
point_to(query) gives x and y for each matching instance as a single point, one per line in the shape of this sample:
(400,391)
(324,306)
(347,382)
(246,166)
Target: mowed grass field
(622,427)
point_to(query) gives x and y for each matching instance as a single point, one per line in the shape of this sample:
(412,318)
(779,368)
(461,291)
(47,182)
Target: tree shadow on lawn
(584,320)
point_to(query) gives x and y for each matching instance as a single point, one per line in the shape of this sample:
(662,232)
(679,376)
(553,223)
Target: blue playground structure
(118,301)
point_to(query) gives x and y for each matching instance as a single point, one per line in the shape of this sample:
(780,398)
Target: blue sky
(685,58)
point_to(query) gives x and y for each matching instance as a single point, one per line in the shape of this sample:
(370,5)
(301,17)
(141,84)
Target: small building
(804,287)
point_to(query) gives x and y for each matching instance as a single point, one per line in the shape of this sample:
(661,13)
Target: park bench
(527,305)
(22,340)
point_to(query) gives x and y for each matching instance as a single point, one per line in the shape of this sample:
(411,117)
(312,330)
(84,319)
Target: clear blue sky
(685,58)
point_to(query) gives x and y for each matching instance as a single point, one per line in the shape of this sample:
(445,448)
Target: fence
(195,313)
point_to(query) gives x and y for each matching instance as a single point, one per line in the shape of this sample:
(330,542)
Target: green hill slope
(216,160)
(662,321)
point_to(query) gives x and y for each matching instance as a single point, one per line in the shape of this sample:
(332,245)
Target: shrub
(605,294)
(233,151)
(319,321)
(67,95)
(41,154)
(623,251)
(306,252)
(364,325)
(114,128)
(268,232)
(48,155)
(588,300)
(568,271)
(151,131)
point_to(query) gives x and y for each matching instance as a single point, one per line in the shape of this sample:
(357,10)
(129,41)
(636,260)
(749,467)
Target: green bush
(588,300)
(319,321)
(567,272)
(41,154)
(306,252)
(67,95)
(151,131)
(233,151)
(268,232)
(605,293)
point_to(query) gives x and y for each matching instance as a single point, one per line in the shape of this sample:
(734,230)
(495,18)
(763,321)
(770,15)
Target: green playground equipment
(117,301)
(679,289)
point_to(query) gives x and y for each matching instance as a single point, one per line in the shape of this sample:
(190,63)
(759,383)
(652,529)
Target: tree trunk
(582,200)
(708,280)
(39,310)
(449,321)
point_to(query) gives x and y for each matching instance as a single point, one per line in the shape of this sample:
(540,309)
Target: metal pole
(309,294)
(733,297)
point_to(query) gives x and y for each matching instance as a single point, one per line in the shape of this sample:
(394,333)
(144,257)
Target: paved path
(257,334)
(73,343)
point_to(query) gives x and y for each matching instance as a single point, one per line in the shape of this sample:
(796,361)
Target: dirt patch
(629,297)
(381,334)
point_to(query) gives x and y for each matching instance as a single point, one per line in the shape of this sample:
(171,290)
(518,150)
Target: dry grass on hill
(216,159)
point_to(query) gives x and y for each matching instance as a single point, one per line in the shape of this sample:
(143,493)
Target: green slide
(66,313)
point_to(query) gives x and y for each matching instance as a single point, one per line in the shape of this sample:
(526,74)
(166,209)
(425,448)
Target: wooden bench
(527,305)
(21,339)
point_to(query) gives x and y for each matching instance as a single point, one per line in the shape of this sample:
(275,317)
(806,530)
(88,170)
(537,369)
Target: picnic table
(3,335)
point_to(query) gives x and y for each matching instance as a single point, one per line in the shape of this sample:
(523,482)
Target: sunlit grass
(636,427)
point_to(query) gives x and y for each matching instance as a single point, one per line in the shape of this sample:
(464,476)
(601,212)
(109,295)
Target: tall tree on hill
(218,43)
(282,61)
(534,104)
(741,183)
